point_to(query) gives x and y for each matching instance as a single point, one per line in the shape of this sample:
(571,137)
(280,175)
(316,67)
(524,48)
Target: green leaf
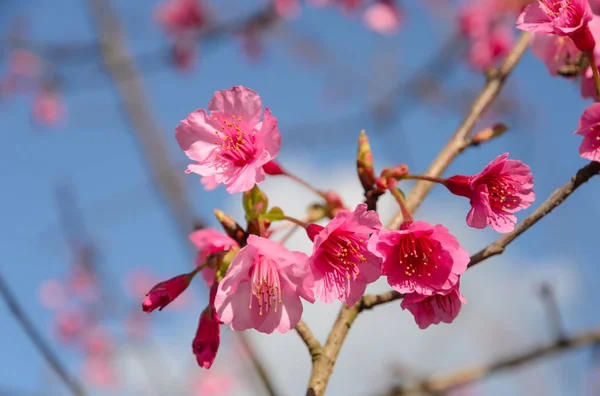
(274,214)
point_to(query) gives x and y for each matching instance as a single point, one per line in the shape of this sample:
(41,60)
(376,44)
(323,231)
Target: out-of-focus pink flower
(421,258)
(251,42)
(287,8)
(383,17)
(69,326)
(97,341)
(502,188)
(341,262)
(589,128)
(99,371)
(263,286)
(434,309)
(24,64)
(562,18)
(52,294)
(212,383)
(555,51)
(208,241)
(184,53)
(165,292)
(208,336)
(231,144)
(48,109)
(180,16)
(475,18)
(82,282)
(136,325)
(487,49)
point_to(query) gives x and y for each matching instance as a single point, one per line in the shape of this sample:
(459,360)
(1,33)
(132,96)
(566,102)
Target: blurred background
(96,208)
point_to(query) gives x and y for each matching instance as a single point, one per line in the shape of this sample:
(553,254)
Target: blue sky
(97,154)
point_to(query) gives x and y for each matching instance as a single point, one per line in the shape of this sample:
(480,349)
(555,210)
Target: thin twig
(322,367)
(314,346)
(459,141)
(19,314)
(438,385)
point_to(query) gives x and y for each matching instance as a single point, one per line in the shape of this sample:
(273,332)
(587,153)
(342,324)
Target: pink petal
(534,19)
(196,136)
(480,208)
(238,101)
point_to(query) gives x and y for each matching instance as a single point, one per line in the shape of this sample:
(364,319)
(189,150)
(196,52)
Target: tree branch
(558,197)
(314,346)
(459,141)
(323,366)
(70,382)
(437,385)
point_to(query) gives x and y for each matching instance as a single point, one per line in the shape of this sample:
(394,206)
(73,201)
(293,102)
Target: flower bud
(233,229)
(208,338)
(489,133)
(364,162)
(273,168)
(165,292)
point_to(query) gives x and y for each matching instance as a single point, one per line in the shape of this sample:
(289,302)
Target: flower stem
(392,183)
(426,178)
(594,67)
(305,184)
(296,221)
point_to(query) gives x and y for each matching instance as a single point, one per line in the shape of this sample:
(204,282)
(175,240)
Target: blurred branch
(553,312)
(314,346)
(437,385)
(19,314)
(558,197)
(322,367)
(459,141)
(257,364)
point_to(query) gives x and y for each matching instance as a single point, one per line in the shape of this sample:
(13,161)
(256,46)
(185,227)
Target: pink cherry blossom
(231,144)
(69,325)
(562,18)
(487,49)
(183,53)
(99,371)
(434,309)
(208,241)
(52,294)
(180,16)
(588,86)
(208,337)
(476,17)
(263,286)
(502,188)
(287,8)
(555,51)
(48,109)
(341,262)
(165,292)
(421,258)
(383,17)
(589,128)
(212,384)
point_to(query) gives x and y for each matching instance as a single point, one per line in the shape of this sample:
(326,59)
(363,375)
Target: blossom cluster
(258,283)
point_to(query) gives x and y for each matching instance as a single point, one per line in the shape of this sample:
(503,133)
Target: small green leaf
(272,215)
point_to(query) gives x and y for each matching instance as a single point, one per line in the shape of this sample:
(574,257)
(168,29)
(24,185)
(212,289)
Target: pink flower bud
(273,168)
(165,292)
(206,342)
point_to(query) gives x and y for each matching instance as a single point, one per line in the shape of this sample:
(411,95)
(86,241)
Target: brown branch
(25,322)
(558,197)
(459,141)
(437,385)
(323,366)
(314,346)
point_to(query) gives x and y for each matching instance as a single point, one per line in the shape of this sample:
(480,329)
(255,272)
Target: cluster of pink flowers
(257,283)
(565,35)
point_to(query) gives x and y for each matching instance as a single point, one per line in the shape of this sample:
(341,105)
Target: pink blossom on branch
(562,18)
(287,8)
(502,188)
(589,128)
(230,144)
(421,258)
(486,49)
(341,262)
(180,16)
(208,241)
(428,310)
(262,287)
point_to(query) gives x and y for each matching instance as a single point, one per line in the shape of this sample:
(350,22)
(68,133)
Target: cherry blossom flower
(263,286)
(428,310)
(487,49)
(180,16)
(589,128)
(230,144)
(421,258)
(287,8)
(502,188)
(48,109)
(555,51)
(341,262)
(562,18)
(208,241)
(383,17)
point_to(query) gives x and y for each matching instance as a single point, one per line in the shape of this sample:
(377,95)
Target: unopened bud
(396,172)
(364,162)
(233,229)
(489,133)
(165,292)
(255,203)
(273,168)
